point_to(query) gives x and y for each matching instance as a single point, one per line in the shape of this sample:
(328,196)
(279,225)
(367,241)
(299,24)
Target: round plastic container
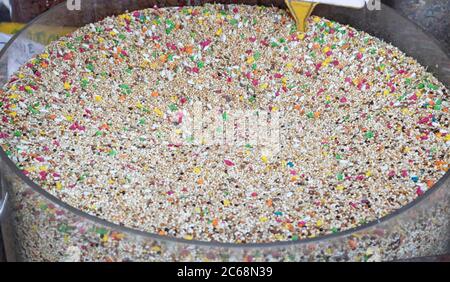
(36,226)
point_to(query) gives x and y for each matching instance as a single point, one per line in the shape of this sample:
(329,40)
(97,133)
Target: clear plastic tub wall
(38,227)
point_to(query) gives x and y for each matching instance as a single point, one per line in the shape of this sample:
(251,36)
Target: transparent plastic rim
(439,185)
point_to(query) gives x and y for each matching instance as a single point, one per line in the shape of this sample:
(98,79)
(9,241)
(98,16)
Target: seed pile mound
(363,127)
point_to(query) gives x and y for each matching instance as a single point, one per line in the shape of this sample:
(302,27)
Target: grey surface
(432,16)
(2,252)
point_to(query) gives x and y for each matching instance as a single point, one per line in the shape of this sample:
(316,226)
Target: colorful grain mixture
(103,120)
